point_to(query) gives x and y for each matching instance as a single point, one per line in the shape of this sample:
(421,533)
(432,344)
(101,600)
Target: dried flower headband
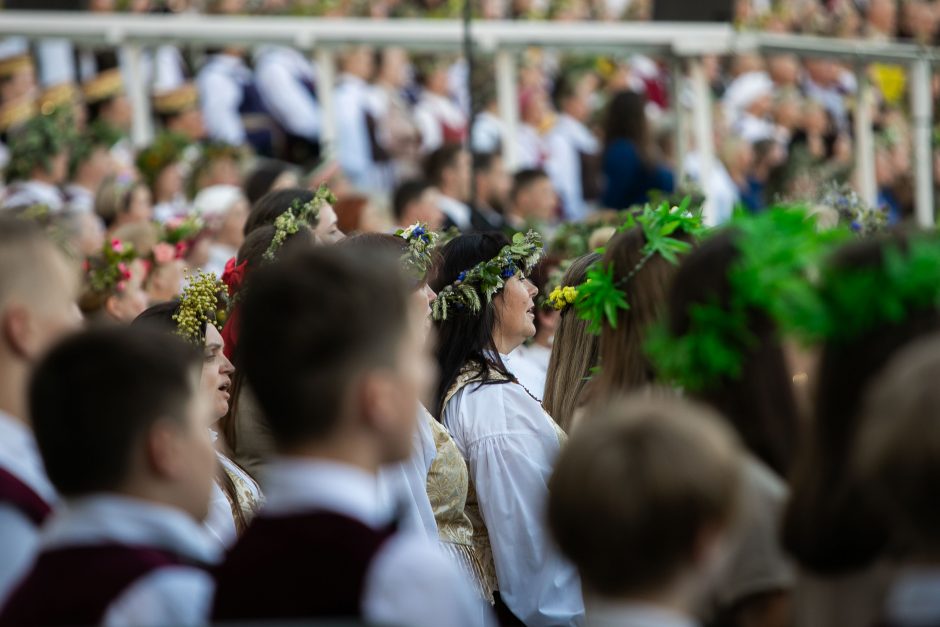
(204,301)
(297,216)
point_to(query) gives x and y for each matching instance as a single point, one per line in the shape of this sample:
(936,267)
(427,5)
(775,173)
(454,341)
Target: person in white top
(572,147)
(325,545)
(439,117)
(510,455)
(120,420)
(38,165)
(405,483)
(235,495)
(286,82)
(38,289)
(353,106)
(648,535)
(449,169)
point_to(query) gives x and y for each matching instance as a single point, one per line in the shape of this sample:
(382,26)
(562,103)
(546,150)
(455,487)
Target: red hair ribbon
(234,275)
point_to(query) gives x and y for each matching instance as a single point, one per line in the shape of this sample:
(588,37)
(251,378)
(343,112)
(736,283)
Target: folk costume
(115,560)
(510,457)
(27,499)
(236,496)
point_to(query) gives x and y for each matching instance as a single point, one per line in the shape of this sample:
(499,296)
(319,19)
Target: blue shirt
(627,180)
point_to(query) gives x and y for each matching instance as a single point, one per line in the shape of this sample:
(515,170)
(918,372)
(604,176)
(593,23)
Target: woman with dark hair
(574,352)
(759,403)
(837,536)
(236,496)
(631,168)
(244,427)
(484,311)
(274,204)
(270,175)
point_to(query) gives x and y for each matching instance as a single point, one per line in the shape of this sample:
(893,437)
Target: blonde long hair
(574,354)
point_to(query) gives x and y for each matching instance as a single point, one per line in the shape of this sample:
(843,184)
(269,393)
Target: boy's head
(448,169)
(331,349)
(532,196)
(120,410)
(38,290)
(897,453)
(641,496)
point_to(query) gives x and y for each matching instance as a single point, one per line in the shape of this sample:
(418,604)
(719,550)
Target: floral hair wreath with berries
(488,278)
(600,298)
(109,271)
(204,301)
(421,241)
(297,216)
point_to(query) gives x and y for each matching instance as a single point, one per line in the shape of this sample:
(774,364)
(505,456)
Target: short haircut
(897,453)
(634,488)
(24,250)
(259,181)
(439,160)
(524,179)
(483,161)
(96,395)
(310,326)
(407,193)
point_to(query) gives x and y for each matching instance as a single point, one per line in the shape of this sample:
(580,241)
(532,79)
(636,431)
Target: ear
(162,448)
(17,328)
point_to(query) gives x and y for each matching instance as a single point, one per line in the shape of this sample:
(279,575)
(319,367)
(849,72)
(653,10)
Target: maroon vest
(76,585)
(297,567)
(23,498)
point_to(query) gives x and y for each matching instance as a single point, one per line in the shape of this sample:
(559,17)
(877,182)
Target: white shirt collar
(293,486)
(626,614)
(19,455)
(101,518)
(457,211)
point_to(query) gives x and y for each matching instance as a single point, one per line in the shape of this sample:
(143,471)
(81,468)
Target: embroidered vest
(299,567)
(481,549)
(23,498)
(76,585)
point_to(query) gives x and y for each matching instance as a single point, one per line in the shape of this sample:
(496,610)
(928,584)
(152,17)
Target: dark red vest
(23,498)
(76,585)
(298,567)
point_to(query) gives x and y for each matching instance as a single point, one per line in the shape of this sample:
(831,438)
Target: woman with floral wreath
(113,284)
(484,311)
(196,316)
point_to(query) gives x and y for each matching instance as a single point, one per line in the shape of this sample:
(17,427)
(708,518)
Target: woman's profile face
(216,372)
(515,313)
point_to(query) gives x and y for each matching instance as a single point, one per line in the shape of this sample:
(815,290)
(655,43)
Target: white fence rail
(681,42)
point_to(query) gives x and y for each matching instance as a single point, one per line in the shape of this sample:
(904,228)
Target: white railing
(683,43)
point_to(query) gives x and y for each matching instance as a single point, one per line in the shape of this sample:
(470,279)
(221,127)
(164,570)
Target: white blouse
(510,445)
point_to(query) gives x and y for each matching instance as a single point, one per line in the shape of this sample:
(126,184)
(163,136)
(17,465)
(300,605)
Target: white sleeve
(19,543)
(176,595)
(351,140)
(562,169)
(431,135)
(167,69)
(291,104)
(510,472)
(220,99)
(411,582)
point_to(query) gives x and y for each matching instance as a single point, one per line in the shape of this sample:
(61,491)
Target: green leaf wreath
(483,281)
(778,251)
(601,297)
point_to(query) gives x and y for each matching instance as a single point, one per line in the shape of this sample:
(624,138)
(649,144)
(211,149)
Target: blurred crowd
(419,135)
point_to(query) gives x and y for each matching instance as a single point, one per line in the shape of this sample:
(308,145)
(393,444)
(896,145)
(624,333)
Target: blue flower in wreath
(508,272)
(419,231)
(462,276)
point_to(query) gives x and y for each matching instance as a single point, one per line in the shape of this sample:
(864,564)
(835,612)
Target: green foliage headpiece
(487,278)
(853,301)
(36,143)
(167,148)
(109,271)
(601,297)
(777,251)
